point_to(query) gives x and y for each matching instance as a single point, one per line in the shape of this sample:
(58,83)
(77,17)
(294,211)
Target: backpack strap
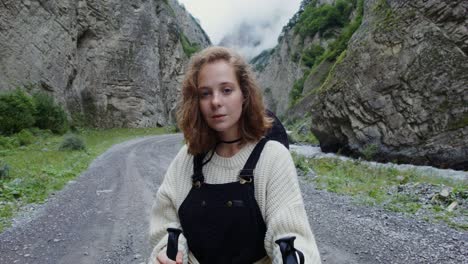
(277,131)
(246,174)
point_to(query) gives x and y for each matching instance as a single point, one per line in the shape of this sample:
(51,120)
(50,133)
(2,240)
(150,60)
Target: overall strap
(197,177)
(247,172)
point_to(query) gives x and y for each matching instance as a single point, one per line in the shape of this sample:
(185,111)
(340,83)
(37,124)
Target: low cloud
(257,22)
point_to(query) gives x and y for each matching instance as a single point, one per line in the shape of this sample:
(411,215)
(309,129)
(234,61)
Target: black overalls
(222,222)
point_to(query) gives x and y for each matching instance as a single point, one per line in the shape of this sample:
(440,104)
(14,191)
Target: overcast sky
(221,17)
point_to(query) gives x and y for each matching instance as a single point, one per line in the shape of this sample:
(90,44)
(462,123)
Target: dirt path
(102,217)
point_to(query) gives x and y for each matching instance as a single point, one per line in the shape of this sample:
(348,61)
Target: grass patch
(387,187)
(296,92)
(188,47)
(387,17)
(300,131)
(39,169)
(331,74)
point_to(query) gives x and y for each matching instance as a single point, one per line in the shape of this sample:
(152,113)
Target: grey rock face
(401,91)
(277,74)
(112,63)
(278,70)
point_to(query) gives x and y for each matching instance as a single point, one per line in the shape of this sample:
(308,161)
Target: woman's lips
(218,117)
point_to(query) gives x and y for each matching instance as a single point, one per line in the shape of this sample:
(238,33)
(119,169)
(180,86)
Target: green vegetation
(310,55)
(8,142)
(369,151)
(319,19)
(314,56)
(381,186)
(25,137)
(49,115)
(331,73)
(189,48)
(4,170)
(388,18)
(340,44)
(29,174)
(404,203)
(296,92)
(300,131)
(72,142)
(19,111)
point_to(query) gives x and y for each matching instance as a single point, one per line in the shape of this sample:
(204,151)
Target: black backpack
(277,131)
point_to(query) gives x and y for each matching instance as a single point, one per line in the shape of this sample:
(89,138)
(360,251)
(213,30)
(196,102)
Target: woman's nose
(216,99)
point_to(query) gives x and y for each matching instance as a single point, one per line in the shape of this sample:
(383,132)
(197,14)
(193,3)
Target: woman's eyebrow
(227,83)
(220,84)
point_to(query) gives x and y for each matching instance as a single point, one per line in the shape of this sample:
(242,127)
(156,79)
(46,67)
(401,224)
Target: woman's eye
(204,94)
(227,90)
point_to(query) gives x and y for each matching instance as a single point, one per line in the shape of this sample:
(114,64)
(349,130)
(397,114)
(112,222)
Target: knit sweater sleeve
(285,214)
(164,211)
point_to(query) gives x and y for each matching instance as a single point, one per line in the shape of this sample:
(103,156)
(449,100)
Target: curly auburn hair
(253,123)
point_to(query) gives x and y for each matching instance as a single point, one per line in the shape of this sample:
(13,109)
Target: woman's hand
(163,259)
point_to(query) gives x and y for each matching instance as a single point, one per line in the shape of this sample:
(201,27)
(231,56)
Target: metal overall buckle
(246,176)
(196,184)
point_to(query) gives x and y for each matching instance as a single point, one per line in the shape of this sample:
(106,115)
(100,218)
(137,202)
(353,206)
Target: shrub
(172,129)
(318,19)
(37,132)
(8,142)
(78,121)
(4,170)
(322,20)
(340,44)
(72,142)
(310,55)
(369,151)
(296,92)
(16,112)
(25,137)
(189,48)
(49,115)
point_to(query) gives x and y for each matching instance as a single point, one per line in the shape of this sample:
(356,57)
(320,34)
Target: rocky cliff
(111,63)
(282,69)
(276,70)
(400,90)
(397,91)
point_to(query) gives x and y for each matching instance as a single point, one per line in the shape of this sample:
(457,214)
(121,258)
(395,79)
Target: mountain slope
(110,63)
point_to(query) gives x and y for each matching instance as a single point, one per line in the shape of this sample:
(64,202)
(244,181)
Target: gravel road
(102,217)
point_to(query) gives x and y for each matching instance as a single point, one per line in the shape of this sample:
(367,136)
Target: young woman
(232,192)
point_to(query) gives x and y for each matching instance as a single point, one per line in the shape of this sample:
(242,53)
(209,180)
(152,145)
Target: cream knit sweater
(276,191)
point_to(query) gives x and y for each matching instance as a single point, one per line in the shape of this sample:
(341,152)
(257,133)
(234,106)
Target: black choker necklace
(232,141)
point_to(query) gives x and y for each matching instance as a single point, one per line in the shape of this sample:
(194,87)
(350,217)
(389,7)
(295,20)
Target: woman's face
(220,98)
